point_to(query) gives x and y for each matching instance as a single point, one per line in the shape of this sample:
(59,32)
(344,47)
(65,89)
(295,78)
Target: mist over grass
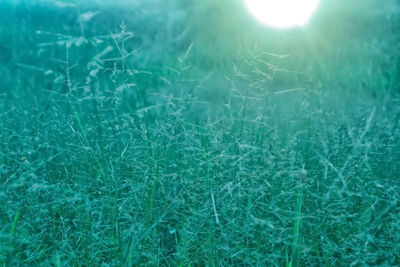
(184,133)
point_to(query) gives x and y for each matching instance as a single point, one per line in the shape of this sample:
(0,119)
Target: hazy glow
(282,13)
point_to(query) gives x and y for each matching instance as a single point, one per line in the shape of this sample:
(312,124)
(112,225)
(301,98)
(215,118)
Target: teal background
(186,133)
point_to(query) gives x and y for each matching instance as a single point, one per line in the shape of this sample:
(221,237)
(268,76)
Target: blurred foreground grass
(183,133)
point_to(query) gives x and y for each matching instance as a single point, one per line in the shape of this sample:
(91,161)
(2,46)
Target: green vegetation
(184,133)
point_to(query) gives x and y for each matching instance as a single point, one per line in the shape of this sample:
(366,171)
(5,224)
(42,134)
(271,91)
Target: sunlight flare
(282,13)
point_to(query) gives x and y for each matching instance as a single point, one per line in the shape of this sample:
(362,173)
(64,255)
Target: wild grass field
(185,133)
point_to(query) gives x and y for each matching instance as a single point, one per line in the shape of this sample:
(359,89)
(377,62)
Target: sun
(282,13)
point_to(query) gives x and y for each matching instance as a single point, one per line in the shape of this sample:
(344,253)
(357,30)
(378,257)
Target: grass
(156,140)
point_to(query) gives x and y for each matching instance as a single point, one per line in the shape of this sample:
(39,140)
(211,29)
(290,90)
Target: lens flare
(282,13)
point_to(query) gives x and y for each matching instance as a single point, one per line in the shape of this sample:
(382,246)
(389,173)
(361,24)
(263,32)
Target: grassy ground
(183,133)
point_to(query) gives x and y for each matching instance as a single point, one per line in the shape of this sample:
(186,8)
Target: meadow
(185,133)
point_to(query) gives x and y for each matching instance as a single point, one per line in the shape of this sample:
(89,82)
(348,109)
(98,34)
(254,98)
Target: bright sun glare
(282,13)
